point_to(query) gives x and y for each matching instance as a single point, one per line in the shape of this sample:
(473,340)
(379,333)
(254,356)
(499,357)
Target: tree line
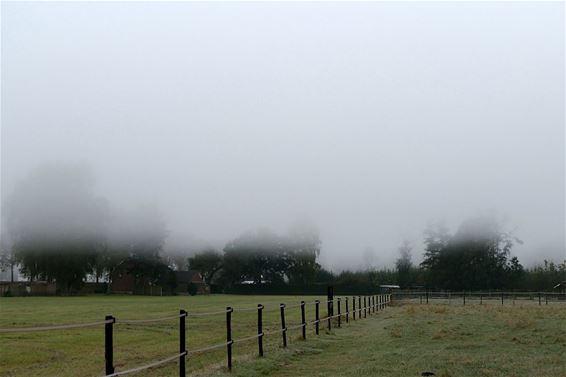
(476,257)
(55,228)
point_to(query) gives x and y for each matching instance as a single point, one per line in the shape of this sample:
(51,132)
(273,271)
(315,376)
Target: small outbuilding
(560,287)
(190,282)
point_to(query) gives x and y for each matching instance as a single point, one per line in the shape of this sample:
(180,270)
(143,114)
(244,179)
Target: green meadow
(404,340)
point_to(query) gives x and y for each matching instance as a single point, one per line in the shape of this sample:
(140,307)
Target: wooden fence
(424,297)
(361,307)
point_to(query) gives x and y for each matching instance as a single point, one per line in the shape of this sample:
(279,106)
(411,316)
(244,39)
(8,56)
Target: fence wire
(55,327)
(148,366)
(142,321)
(186,354)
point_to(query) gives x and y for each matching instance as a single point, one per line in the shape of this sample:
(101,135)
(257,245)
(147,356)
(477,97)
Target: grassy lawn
(405,340)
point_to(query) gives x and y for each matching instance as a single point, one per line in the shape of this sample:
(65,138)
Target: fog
(369,120)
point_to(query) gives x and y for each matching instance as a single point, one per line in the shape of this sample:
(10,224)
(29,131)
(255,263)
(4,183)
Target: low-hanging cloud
(368,119)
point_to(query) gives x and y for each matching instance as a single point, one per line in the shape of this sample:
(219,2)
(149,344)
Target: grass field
(404,340)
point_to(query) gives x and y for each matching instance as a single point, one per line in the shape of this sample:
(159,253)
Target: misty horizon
(368,120)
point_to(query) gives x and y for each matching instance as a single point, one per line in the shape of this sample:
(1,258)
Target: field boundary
(366,305)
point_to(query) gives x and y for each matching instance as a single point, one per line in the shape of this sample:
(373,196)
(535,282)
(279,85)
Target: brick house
(185,278)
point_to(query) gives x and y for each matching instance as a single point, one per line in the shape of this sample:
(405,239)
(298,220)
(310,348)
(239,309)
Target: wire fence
(447,297)
(367,305)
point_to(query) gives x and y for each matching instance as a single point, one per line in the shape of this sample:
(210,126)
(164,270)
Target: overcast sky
(369,119)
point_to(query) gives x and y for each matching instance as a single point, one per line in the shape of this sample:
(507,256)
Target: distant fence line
(366,305)
(426,296)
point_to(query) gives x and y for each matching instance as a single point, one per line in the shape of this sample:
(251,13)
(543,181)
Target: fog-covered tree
(257,256)
(138,236)
(404,264)
(57,224)
(475,257)
(208,262)
(302,245)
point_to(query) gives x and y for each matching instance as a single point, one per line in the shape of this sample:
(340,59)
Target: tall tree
(476,257)
(257,256)
(208,262)
(57,224)
(302,245)
(404,264)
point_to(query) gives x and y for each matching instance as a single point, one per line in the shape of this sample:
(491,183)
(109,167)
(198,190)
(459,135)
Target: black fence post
(546,298)
(365,307)
(464,298)
(481,299)
(260,329)
(303,320)
(360,307)
(182,343)
(328,315)
(229,340)
(354,308)
(283,328)
(339,313)
(427,297)
(347,311)
(316,316)
(109,344)
(501,298)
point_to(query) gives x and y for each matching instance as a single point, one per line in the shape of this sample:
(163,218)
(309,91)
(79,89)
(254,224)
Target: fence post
(347,311)
(365,306)
(260,329)
(303,320)
(328,315)
(316,316)
(283,328)
(109,344)
(464,297)
(229,340)
(546,298)
(373,303)
(182,343)
(330,305)
(501,298)
(481,299)
(354,308)
(360,307)
(339,313)
(427,297)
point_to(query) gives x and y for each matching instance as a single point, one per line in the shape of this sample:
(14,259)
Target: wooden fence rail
(372,302)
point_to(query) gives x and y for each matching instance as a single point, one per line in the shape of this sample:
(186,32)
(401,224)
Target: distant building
(388,288)
(561,287)
(186,278)
(124,281)
(35,288)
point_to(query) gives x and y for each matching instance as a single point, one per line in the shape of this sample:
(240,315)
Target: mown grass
(404,340)
(80,352)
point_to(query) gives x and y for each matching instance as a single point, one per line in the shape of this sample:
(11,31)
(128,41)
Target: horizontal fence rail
(371,304)
(424,297)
